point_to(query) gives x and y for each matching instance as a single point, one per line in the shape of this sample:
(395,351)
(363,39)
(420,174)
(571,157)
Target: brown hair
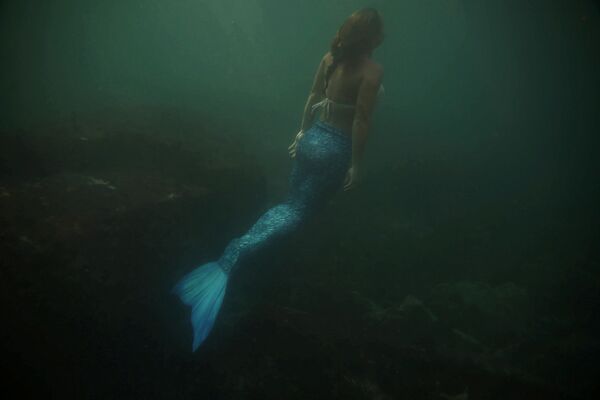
(359,34)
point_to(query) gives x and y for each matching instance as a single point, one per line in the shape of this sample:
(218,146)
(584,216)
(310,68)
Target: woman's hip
(326,143)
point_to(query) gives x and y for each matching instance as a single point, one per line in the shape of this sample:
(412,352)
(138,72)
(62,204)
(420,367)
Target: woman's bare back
(355,85)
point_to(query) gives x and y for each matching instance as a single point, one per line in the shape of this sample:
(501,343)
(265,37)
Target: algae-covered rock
(96,230)
(497,314)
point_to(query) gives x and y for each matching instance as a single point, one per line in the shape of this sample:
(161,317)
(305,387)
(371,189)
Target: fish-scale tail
(203,289)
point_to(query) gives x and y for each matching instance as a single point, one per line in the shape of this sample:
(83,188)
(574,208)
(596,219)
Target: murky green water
(137,137)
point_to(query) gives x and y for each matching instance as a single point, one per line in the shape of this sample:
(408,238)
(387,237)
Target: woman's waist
(342,128)
(324,137)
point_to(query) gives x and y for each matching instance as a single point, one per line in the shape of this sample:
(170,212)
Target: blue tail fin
(203,289)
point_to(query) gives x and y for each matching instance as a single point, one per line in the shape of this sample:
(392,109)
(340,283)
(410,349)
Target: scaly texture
(322,158)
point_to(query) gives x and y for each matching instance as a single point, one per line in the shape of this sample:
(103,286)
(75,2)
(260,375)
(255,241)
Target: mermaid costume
(323,156)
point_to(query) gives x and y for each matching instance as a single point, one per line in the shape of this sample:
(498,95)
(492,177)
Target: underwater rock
(95,232)
(415,310)
(461,396)
(499,315)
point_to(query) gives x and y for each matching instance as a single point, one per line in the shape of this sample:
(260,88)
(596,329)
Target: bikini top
(326,103)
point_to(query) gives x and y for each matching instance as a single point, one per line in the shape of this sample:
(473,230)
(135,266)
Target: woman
(326,155)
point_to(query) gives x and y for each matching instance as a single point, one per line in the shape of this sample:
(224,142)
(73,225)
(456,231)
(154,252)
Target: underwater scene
(300,199)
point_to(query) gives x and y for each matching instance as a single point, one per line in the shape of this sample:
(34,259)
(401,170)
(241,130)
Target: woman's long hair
(359,34)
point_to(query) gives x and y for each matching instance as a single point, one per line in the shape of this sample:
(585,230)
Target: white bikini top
(326,103)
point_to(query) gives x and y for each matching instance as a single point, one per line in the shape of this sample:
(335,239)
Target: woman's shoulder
(373,69)
(372,74)
(327,59)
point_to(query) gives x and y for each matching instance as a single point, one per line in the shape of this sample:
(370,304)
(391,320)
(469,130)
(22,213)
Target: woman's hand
(292,147)
(351,178)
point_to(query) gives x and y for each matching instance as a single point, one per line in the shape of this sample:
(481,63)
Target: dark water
(138,137)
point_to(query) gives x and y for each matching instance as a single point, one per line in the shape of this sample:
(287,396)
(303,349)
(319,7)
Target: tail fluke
(203,289)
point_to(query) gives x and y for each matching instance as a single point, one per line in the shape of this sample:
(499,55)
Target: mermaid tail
(203,289)
(322,158)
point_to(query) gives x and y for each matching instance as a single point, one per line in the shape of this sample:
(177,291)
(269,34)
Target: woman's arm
(365,103)
(317,92)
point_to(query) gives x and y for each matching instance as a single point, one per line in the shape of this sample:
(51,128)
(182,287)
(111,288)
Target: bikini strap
(327,103)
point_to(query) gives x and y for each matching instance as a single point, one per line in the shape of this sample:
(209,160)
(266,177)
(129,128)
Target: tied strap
(326,103)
